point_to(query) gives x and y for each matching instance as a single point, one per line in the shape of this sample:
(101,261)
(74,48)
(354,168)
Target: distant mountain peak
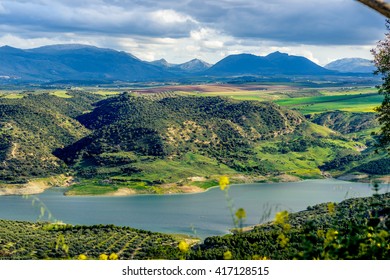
(277,54)
(352,65)
(274,63)
(194,65)
(9,49)
(64,47)
(162,62)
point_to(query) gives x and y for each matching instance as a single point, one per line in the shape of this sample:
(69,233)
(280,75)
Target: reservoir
(201,214)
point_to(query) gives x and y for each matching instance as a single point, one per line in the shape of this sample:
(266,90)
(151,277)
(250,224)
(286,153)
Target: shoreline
(38,186)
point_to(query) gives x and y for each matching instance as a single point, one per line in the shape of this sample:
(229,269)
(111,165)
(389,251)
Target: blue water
(201,214)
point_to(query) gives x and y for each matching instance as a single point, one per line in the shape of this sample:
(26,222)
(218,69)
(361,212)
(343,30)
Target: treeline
(340,163)
(377,167)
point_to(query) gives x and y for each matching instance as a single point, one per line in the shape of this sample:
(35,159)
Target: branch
(378,5)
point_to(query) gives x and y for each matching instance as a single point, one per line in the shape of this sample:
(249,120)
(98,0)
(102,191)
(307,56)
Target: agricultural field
(43,240)
(318,104)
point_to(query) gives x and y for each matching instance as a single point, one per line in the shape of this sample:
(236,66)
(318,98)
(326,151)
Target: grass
(12,96)
(303,164)
(344,91)
(91,187)
(61,93)
(205,184)
(191,165)
(157,176)
(106,92)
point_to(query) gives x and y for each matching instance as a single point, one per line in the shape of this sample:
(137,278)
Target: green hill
(145,144)
(32,127)
(171,126)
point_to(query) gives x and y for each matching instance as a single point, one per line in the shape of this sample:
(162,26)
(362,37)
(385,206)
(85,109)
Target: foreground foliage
(25,240)
(353,229)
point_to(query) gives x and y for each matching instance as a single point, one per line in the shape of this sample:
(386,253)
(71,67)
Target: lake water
(201,214)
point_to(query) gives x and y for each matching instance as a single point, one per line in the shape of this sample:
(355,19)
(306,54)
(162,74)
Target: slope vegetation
(32,127)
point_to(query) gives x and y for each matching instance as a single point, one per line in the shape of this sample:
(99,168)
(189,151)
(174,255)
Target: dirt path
(15,147)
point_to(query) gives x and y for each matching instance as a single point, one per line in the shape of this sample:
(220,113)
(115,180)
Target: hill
(217,133)
(351,65)
(273,64)
(31,128)
(165,143)
(160,145)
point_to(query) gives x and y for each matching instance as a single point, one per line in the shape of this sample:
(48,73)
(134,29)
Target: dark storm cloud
(96,17)
(321,22)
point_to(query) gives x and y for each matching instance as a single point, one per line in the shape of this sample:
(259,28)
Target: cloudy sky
(179,30)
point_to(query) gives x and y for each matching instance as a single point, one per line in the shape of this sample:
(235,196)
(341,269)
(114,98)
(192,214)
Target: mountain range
(84,62)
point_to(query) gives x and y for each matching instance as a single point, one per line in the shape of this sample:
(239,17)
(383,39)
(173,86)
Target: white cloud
(170,17)
(2,9)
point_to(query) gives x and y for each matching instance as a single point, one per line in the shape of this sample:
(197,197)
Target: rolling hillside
(31,128)
(164,143)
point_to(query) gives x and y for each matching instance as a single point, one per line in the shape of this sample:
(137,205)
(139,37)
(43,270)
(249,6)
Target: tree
(382,62)
(378,5)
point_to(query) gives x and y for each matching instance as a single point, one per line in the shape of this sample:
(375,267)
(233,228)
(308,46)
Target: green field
(318,104)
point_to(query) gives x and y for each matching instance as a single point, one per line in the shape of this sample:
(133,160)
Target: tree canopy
(382,62)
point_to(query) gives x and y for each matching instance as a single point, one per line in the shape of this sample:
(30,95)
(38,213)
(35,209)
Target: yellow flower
(283,240)
(227,255)
(331,235)
(224,183)
(113,256)
(103,257)
(183,246)
(281,217)
(331,208)
(320,233)
(241,214)
(259,258)
(82,257)
(286,227)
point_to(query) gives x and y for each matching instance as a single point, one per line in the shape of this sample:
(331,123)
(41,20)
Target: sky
(180,30)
